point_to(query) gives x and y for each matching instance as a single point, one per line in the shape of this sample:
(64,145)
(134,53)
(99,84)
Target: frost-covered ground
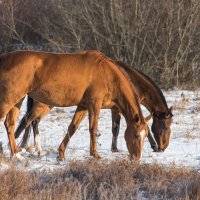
(184,148)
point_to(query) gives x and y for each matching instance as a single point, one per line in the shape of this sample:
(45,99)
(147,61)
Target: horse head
(161,128)
(135,134)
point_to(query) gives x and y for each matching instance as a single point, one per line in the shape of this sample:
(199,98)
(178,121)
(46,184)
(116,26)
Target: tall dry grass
(102,180)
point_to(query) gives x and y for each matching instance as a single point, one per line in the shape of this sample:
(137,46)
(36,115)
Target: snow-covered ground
(184,148)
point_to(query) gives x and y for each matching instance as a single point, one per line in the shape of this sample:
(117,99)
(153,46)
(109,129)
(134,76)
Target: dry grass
(180,105)
(190,134)
(101,180)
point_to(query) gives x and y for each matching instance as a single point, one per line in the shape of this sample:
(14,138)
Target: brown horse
(153,99)
(88,79)
(149,95)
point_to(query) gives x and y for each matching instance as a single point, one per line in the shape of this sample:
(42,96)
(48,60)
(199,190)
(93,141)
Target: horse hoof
(158,151)
(96,156)
(59,158)
(19,149)
(18,157)
(114,150)
(40,153)
(29,149)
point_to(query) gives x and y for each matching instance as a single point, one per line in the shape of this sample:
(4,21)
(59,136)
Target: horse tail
(22,123)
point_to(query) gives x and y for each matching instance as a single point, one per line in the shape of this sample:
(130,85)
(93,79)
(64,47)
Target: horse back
(71,78)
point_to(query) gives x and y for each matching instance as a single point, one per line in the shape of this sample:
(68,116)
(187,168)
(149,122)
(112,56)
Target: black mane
(147,78)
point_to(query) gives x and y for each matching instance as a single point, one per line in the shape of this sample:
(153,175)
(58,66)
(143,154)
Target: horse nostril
(155,148)
(160,150)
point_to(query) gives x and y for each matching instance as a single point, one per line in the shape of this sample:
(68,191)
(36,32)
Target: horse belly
(58,96)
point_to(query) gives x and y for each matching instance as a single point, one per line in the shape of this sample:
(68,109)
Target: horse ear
(169,113)
(148,117)
(171,109)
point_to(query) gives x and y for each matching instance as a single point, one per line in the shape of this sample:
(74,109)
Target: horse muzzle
(158,150)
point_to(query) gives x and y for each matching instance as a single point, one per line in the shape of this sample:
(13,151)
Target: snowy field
(184,148)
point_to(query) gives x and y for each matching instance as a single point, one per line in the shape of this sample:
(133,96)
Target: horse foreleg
(116,117)
(78,117)
(9,123)
(152,141)
(94,110)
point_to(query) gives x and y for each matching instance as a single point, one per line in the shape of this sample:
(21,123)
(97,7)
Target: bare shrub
(14,182)
(161,38)
(119,179)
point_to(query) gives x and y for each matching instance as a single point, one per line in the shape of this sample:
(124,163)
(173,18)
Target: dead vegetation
(118,179)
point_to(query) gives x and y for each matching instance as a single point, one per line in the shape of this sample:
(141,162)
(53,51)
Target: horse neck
(125,95)
(148,92)
(128,104)
(150,95)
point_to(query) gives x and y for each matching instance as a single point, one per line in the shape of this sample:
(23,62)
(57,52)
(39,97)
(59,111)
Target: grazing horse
(87,79)
(149,95)
(153,99)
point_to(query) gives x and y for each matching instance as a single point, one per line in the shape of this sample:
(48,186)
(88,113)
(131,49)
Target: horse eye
(137,135)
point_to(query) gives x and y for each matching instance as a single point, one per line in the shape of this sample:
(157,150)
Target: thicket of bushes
(159,37)
(102,181)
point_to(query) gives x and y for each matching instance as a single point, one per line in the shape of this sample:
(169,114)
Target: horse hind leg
(37,112)
(26,137)
(24,142)
(9,123)
(116,117)
(37,144)
(78,117)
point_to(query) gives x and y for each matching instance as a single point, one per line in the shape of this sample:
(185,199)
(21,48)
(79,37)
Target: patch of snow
(184,148)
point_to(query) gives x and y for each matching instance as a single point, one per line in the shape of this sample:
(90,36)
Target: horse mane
(102,57)
(146,78)
(126,76)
